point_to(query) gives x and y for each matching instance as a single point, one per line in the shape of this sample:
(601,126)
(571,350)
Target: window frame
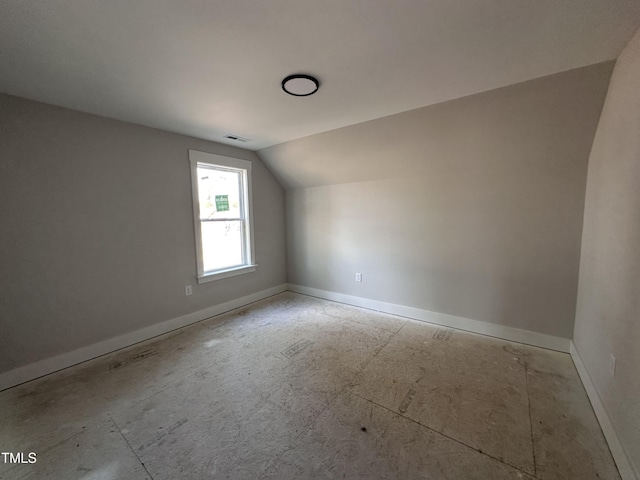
(221,162)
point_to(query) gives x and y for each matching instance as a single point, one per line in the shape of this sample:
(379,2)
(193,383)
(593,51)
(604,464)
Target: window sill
(231,272)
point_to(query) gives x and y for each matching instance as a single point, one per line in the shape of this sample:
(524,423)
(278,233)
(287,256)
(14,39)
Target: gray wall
(471,208)
(97,233)
(608,309)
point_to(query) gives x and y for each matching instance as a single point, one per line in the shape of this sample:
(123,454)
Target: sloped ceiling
(537,121)
(211,68)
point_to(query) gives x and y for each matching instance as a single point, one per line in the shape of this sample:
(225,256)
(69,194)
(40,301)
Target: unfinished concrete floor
(295,387)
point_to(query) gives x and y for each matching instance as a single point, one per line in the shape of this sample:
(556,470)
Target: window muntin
(222,214)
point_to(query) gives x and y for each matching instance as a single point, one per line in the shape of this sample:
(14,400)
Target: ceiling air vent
(236,138)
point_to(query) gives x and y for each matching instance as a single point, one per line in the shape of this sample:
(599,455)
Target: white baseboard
(64,360)
(625,467)
(460,323)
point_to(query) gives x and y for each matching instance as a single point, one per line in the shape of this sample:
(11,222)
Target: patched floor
(297,387)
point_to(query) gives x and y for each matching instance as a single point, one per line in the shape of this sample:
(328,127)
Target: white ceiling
(208,68)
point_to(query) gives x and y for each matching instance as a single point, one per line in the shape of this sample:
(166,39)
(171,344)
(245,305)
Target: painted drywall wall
(471,208)
(97,235)
(608,307)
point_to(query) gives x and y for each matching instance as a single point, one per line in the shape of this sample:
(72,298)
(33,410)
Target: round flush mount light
(300,85)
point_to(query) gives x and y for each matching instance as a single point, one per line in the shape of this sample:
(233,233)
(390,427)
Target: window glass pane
(222,245)
(219,192)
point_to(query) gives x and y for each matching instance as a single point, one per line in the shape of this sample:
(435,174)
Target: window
(221,189)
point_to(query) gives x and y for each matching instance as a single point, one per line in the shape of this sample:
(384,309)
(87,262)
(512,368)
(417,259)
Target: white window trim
(195,158)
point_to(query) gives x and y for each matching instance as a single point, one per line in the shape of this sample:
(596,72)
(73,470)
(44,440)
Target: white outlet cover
(612,366)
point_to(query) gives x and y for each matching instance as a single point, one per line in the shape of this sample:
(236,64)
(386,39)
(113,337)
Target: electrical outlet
(612,365)
(358,277)
(188,290)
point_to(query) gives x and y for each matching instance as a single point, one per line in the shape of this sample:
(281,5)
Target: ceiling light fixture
(300,85)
